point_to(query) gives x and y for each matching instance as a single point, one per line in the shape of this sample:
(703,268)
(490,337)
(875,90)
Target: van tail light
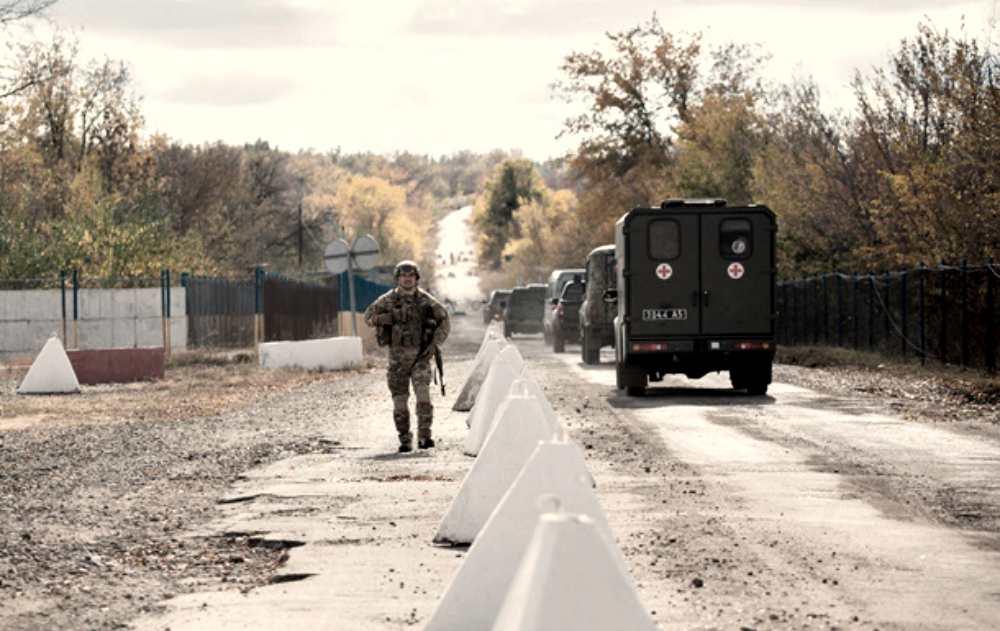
(649,347)
(752,346)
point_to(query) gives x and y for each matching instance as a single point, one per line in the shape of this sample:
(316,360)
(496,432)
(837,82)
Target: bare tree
(14,10)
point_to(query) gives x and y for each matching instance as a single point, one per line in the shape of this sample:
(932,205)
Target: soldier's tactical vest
(413,323)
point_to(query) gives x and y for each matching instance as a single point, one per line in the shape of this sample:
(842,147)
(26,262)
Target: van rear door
(663,274)
(736,274)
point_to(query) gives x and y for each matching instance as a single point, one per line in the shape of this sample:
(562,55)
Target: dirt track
(802,509)
(230,497)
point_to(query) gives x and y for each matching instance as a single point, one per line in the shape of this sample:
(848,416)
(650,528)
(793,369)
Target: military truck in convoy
(566,318)
(525,309)
(695,293)
(554,288)
(597,315)
(494,306)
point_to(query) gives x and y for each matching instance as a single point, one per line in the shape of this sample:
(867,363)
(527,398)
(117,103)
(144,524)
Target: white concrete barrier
(51,372)
(332,353)
(496,387)
(520,426)
(568,558)
(475,595)
(484,359)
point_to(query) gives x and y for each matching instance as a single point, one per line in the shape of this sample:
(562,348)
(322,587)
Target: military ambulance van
(695,293)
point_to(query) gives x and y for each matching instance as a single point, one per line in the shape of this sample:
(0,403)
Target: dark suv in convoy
(566,318)
(695,293)
(553,289)
(597,315)
(495,305)
(524,310)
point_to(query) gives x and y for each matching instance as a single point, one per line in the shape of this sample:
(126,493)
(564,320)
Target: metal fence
(297,310)
(945,313)
(220,311)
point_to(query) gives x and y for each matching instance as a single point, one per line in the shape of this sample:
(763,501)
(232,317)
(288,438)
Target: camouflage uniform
(413,315)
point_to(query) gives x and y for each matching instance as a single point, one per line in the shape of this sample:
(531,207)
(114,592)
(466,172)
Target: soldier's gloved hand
(427,354)
(384,319)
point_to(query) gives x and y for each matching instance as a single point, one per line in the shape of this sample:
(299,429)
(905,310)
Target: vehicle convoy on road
(597,315)
(553,290)
(695,292)
(524,310)
(494,307)
(566,316)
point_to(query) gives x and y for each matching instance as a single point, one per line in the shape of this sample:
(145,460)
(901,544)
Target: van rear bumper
(697,357)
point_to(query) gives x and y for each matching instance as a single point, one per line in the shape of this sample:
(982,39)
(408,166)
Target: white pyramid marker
(526,386)
(503,371)
(474,597)
(487,353)
(51,372)
(568,558)
(520,427)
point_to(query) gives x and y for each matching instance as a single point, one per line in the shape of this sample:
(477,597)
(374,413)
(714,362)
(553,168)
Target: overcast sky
(439,76)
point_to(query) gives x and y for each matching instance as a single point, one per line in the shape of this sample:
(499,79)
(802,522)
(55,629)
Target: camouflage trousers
(404,369)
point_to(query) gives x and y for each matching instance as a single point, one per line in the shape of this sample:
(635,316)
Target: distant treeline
(911,175)
(81,186)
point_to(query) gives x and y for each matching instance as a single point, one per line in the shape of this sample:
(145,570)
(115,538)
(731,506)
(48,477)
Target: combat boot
(402,421)
(425,417)
(405,443)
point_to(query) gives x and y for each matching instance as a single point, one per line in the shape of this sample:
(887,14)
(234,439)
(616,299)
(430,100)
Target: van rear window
(735,239)
(664,239)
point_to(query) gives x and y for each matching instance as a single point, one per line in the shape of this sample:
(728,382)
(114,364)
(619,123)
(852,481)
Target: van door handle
(706,294)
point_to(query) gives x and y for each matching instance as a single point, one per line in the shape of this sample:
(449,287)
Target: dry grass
(972,386)
(196,384)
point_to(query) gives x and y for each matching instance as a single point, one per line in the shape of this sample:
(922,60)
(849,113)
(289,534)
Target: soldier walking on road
(413,324)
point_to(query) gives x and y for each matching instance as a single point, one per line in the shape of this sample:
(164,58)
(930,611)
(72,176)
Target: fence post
(886,301)
(784,312)
(62,296)
(991,340)
(943,338)
(923,315)
(816,311)
(76,309)
(166,288)
(854,309)
(903,313)
(871,311)
(258,308)
(826,312)
(163,310)
(965,313)
(840,310)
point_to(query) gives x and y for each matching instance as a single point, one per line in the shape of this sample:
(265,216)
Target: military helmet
(406,267)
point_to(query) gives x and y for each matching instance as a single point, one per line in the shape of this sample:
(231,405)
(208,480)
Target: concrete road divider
(332,353)
(484,359)
(526,386)
(520,426)
(51,372)
(503,371)
(475,595)
(570,578)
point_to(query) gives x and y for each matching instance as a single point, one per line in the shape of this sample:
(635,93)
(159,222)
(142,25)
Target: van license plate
(653,315)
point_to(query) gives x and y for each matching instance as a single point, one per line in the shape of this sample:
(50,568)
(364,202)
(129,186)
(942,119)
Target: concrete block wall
(108,318)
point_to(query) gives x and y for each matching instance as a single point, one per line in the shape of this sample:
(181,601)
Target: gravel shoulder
(100,493)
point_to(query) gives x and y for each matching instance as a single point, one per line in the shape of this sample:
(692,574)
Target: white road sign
(335,256)
(365,252)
